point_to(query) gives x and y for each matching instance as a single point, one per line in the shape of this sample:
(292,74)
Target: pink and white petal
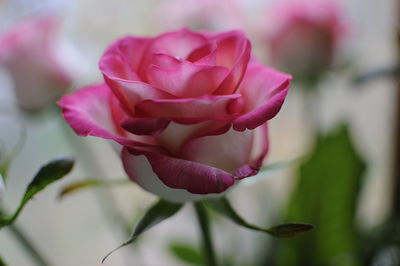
(187,79)
(207,107)
(259,152)
(176,135)
(194,177)
(140,171)
(233,52)
(227,152)
(89,113)
(264,90)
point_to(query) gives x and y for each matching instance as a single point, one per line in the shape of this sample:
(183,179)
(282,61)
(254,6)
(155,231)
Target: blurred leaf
(2,262)
(90,183)
(290,229)
(157,213)
(187,253)
(223,206)
(326,196)
(49,173)
(388,72)
(7,159)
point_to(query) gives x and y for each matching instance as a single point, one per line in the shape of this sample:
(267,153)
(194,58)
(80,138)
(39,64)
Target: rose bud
(303,36)
(34,60)
(189,109)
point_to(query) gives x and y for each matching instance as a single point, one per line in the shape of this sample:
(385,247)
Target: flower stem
(204,222)
(28,245)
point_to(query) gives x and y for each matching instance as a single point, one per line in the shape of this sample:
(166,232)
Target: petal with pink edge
(194,177)
(207,107)
(258,153)
(264,91)
(140,171)
(88,112)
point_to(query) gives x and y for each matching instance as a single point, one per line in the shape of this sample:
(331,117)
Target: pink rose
(188,108)
(303,36)
(30,54)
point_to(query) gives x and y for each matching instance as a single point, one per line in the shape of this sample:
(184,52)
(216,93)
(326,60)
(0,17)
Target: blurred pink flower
(303,36)
(200,15)
(31,54)
(190,110)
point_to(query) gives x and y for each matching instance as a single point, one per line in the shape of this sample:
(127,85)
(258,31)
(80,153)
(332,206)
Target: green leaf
(223,206)
(187,253)
(326,195)
(90,183)
(49,173)
(157,213)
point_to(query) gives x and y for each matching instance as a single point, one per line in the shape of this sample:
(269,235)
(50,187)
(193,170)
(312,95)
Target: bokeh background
(80,229)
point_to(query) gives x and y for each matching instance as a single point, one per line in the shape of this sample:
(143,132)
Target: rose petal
(258,153)
(130,93)
(264,91)
(140,171)
(191,176)
(193,109)
(176,135)
(144,126)
(227,152)
(88,112)
(178,44)
(187,79)
(122,58)
(233,52)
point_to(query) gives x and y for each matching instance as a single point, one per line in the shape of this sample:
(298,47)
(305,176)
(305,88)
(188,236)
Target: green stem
(28,245)
(204,222)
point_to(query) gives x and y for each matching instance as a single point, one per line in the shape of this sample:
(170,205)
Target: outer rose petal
(264,91)
(177,173)
(88,112)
